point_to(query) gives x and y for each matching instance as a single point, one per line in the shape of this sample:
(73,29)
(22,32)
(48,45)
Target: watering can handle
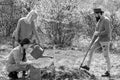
(41,47)
(38,45)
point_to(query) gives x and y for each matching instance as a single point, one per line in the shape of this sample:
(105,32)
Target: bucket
(37,52)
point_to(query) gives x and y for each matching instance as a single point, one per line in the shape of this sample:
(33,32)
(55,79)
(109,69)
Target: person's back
(13,53)
(26,30)
(23,30)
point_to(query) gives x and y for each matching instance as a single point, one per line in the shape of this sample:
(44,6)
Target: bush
(64,21)
(60,20)
(10,14)
(63,24)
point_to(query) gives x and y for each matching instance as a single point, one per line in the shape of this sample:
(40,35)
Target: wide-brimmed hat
(98,10)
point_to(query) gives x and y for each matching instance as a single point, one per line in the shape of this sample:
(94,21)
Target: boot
(107,74)
(85,67)
(13,75)
(24,74)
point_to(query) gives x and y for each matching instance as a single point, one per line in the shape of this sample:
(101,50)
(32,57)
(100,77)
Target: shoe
(13,75)
(85,67)
(24,74)
(107,74)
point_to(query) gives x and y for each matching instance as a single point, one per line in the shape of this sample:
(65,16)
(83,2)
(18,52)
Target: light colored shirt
(104,29)
(24,30)
(15,56)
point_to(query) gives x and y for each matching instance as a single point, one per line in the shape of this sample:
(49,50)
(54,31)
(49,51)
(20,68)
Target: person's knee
(105,49)
(92,48)
(106,55)
(10,69)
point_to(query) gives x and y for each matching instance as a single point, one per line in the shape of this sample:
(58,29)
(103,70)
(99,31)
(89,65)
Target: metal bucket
(37,52)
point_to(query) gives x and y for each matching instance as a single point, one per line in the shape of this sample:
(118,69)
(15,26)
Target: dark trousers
(13,75)
(24,57)
(24,60)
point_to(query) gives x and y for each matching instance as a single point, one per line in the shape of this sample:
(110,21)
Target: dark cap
(98,10)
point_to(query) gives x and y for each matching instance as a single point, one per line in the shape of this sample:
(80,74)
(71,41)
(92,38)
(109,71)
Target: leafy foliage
(11,11)
(60,20)
(62,23)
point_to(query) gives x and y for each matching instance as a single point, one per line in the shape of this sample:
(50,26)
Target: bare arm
(35,32)
(17,31)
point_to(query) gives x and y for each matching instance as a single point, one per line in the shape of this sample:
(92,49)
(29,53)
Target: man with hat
(101,37)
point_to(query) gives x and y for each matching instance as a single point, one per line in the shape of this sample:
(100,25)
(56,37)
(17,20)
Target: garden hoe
(95,38)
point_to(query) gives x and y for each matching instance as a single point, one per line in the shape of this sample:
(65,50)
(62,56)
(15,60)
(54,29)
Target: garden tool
(95,38)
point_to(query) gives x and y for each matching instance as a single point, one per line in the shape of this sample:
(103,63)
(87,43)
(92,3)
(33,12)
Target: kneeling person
(17,59)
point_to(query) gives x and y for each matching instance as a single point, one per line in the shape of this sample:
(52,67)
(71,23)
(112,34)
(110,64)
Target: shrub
(62,24)
(10,13)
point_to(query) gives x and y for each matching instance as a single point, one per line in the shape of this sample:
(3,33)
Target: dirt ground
(69,58)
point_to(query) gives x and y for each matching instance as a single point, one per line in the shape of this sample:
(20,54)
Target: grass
(72,59)
(68,58)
